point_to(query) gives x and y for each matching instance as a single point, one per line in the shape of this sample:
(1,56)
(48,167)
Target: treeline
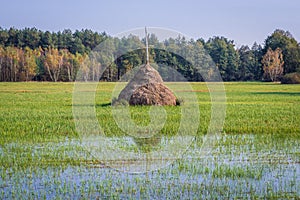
(34,55)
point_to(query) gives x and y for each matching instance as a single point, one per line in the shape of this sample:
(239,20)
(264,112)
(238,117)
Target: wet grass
(256,155)
(239,166)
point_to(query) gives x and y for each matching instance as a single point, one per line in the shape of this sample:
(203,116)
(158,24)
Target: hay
(153,94)
(147,88)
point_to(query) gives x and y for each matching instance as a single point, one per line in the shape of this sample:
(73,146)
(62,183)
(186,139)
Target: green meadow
(43,111)
(255,155)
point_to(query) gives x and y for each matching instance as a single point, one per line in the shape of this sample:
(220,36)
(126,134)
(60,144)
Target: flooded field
(237,166)
(255,155)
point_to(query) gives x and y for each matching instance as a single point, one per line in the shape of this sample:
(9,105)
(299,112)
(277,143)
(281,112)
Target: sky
(244,21)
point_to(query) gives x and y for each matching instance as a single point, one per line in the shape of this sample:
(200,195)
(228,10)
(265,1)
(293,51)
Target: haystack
(147,88)
(153,94)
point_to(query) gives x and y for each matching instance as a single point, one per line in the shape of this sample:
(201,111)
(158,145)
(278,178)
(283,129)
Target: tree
(250,63)
(12,37)
(289,46)
(84,67)
(273,64)
(46,40)
(2,57)
(28,65)
(53,62)
(257,69)
(30,38)
(76,46)
(3,36)
(40,73)
(246,64)
(224,55)
(68,64)
(13,57)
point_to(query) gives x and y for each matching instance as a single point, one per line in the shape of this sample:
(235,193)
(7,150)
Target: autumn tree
(69,64)
(273,64)
(29,66)
(289,46)
(31,54)
(12,61)
(2,57)
(53,63)
(84,69)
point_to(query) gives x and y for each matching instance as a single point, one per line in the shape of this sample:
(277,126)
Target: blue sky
(242,21)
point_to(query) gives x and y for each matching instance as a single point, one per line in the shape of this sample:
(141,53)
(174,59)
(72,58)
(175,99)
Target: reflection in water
(136,155)
(147,144)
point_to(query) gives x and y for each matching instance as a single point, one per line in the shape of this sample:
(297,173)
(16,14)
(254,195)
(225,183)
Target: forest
(30,54)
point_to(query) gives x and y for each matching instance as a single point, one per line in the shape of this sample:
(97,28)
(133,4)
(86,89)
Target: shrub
(119,102)
(292,78)
(179,101)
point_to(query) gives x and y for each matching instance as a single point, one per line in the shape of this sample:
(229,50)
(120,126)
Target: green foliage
(290,49)
(291,78)
(225,57)
(250,68)
(79,41)
(186,57)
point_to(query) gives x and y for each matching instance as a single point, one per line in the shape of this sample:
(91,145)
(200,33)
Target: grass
(256,155)
(262,108)
(35,111)
(43,111)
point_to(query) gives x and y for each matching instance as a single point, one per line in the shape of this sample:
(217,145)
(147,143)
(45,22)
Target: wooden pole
(147,49)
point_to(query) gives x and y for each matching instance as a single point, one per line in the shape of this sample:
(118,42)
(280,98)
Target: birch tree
(273,64)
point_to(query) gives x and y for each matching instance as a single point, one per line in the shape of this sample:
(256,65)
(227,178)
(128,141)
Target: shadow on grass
(92,105)
(279,93)
(103,104)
